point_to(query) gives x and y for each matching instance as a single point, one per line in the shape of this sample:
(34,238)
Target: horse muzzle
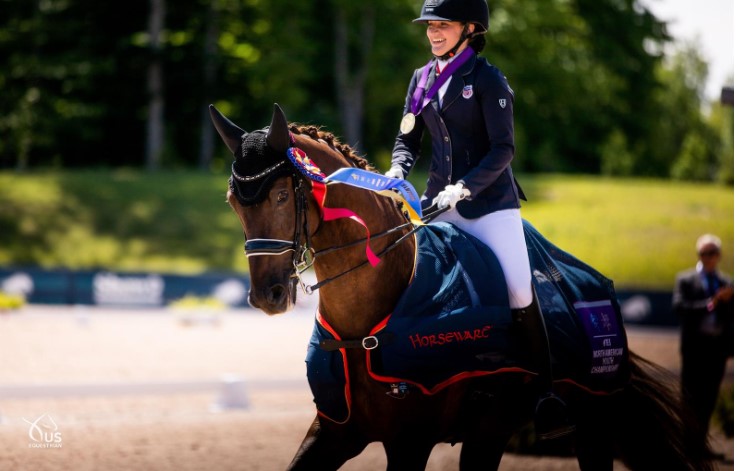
(275,298)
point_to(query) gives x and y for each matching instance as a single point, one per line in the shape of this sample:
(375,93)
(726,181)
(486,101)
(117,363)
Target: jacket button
(446,138)
(447,158)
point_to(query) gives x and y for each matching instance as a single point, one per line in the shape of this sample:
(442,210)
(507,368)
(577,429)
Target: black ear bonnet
(256,168)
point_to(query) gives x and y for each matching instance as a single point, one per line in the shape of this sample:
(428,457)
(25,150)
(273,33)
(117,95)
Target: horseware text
(440,339)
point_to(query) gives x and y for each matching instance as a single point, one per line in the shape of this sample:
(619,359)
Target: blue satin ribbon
(395,188)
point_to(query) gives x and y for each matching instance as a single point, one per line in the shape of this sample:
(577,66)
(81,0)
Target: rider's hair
(477,43)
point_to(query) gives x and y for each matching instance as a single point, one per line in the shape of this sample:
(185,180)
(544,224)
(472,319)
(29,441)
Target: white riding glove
(395,172)
(451,195)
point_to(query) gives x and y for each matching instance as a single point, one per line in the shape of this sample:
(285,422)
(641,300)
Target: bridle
(303,254)
(302,258)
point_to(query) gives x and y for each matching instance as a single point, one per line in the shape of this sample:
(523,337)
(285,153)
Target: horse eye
(282,196)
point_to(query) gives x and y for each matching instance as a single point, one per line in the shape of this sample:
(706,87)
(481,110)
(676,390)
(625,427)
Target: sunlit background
(123,313)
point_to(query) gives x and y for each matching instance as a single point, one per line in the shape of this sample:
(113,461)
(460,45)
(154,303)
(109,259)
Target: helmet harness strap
(464,35)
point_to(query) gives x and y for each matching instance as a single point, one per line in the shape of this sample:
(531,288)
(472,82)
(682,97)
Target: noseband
(301,259)
(256,247)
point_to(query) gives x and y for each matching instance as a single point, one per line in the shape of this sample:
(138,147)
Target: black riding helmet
(465,11)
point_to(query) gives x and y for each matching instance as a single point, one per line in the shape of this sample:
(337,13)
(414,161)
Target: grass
(637,232)
(121,220)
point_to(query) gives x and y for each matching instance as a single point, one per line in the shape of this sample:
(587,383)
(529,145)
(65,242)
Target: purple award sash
(418,101)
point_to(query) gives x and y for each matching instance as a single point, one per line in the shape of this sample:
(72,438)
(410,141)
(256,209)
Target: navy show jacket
(472,138)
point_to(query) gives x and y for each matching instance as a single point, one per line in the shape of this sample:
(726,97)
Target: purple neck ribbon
(418,103)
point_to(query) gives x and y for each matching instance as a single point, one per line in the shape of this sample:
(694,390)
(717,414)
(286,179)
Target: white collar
(443,63)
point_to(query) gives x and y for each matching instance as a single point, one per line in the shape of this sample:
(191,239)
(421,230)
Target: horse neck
(357,301)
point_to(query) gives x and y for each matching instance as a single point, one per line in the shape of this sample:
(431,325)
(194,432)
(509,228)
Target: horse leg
(406,455)
(594,437)
(483,454)
(594,451)
(327,448)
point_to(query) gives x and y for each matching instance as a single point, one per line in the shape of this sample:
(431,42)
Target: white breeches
(502,232)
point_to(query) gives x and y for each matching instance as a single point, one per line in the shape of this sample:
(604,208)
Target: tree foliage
(592,91)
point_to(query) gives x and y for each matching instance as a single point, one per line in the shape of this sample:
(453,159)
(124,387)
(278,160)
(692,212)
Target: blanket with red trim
(453,322)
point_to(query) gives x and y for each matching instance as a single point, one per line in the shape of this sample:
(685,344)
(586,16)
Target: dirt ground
(160,392)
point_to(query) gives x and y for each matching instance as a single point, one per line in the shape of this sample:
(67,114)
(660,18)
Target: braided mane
(329,138)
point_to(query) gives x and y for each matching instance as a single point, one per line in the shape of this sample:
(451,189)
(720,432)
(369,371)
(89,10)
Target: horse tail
(657,430)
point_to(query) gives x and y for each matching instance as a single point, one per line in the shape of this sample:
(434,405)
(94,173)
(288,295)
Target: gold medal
(408,123)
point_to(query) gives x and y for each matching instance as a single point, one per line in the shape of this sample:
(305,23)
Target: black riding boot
(551,417)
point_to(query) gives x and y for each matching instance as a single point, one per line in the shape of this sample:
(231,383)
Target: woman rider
(466,106)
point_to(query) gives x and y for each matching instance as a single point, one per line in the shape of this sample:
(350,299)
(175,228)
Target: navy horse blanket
(454,322)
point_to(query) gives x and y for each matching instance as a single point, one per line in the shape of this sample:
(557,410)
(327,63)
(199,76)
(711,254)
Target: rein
(432,215)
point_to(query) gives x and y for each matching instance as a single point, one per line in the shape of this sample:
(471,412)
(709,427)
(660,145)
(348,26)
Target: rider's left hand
(451,195)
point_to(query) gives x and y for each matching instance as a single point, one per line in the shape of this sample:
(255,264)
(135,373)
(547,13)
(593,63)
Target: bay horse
(644,424)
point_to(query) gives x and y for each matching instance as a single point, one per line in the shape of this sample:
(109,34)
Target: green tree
(155,85)
(399,47)
(61,68)
(591,95)
(616,158)
(695,160)
(685,142)
(626,39)
(721,120)
(678,105)
(581,72)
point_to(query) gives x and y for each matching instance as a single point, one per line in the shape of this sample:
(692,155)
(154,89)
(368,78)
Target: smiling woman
(446,36)
(467,107)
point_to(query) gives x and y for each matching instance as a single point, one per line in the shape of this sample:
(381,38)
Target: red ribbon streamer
(319,190)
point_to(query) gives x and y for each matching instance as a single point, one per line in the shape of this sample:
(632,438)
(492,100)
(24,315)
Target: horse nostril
(276,293)
(272,299)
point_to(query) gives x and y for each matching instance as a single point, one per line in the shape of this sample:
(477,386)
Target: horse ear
(229,132)
(278,137)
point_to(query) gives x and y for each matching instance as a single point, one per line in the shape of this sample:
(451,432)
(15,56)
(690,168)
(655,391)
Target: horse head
(268,196)
(279,191)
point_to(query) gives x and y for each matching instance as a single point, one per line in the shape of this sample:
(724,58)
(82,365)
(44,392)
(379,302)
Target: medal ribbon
(319,190)
(395,188)
(418,103)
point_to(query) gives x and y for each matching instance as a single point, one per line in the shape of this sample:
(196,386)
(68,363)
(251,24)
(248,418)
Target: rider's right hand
(395,172)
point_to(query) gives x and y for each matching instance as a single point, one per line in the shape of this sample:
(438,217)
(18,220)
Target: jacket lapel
(457,82)
(699,282)
(430,81)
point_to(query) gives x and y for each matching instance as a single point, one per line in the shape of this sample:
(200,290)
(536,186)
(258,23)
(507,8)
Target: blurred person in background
(703,300)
